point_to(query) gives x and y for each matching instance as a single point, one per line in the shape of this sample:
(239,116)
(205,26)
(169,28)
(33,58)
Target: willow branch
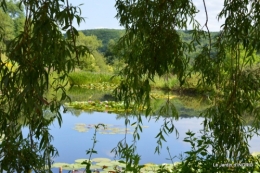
(72,31)
(206,25)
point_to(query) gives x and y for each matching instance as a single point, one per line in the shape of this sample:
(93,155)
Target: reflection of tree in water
(84,94)
(75,112)
(186,106)
(107,97)
(124,116)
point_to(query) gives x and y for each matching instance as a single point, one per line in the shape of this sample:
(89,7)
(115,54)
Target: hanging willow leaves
(232,73)
(152,46)
(39,51)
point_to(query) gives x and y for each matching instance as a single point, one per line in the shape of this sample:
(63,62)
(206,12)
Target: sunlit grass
(101,80)
(85,78)
(166,82)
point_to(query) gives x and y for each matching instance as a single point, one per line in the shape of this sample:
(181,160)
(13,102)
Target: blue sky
(101,13)
(98,14)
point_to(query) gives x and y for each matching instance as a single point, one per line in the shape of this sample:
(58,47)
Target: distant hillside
(105,35)
(187,37)
(114,34)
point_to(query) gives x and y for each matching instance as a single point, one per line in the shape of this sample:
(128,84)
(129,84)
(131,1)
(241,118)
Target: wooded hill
(110,36)
(105,35)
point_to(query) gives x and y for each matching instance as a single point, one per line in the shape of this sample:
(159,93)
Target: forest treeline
(12,22)
(104,56)
(110,36)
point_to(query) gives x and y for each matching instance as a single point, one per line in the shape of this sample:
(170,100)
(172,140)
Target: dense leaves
(236,96)
(38,50)
(91,61)
(12,19)
(152,46)
(105,35)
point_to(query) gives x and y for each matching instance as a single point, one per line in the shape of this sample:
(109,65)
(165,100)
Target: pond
(73,144)
(74,138)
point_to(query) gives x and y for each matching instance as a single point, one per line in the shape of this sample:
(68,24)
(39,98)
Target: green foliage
(109,38)
(101,65)
(91,150)
(90,41)
(153,46)
(109,54)
(201,159)
(106,106)
(82,78)
(6,29)
(147,28)
(228,73)
(16,13)
(39,49)
(105,35)
(12,22)
(81,94)
(92,61)
(198,159)
(7,26)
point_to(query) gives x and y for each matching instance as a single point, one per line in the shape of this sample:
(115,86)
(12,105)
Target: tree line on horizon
(104,56)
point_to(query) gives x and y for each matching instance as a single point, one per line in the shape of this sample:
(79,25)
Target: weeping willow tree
(152,46)
(39,50)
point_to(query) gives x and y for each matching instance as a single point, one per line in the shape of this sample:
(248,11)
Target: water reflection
(72,144)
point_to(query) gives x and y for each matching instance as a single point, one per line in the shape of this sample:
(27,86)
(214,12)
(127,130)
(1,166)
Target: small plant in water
(91,150)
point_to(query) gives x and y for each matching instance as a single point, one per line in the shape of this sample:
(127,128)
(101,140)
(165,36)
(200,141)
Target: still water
(72,144)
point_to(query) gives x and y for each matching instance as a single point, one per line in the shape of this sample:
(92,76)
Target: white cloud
(213,9)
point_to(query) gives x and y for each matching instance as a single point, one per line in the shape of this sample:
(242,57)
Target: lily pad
(68,167)
(150,166)
(105,164)
(95,167)
(78,166)
(112,133)
(109,129)
(117,163)
(80,127)
(81,160)
(101,160)
(58,165)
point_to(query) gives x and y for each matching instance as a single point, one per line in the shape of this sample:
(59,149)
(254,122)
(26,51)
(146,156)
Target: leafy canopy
(39,49)
(151,46)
